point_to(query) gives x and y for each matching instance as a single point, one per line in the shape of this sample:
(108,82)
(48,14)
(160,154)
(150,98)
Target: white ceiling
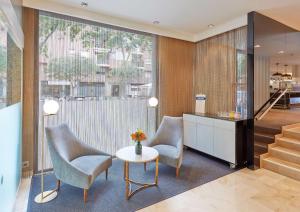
(188,18)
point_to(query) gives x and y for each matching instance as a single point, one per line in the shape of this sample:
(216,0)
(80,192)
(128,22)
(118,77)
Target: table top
(128,154)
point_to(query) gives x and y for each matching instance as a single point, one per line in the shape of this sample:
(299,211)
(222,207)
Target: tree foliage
(125,72)
(49,25)
(91,36)
(71,68)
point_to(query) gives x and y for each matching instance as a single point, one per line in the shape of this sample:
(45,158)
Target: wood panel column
(30,85)
(175,66)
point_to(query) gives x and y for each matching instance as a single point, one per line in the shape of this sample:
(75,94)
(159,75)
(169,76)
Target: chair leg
(124,175)
(145,166)
(85,195)
(57,185)
(106,174)
(177,171)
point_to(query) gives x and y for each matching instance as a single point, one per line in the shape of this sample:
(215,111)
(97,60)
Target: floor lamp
(152,103)
(50,108)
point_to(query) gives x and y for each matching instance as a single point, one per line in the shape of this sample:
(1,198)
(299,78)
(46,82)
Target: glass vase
(138,148)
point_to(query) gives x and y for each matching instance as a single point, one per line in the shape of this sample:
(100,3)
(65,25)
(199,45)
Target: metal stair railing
(259,117)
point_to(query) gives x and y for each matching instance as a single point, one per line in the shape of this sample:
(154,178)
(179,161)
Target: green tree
(48,25)
(114,40)
(92,36)
(72,68)
(125,73)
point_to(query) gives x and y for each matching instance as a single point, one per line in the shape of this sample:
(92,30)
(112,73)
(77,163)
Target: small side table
(127,154)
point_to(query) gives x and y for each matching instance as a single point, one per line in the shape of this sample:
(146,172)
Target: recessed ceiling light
(281,52)
(84,4)
(156,22)
(257,46)
(211,26)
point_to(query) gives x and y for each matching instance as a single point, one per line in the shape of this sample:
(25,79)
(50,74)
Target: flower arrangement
(138,136)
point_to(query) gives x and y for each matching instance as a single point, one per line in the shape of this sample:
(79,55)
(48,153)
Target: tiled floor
(22,196)
(244,190)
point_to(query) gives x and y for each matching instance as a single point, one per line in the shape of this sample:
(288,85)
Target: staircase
(263,135)
(283,156)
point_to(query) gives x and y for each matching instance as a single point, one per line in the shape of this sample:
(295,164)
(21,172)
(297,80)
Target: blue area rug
(110,195)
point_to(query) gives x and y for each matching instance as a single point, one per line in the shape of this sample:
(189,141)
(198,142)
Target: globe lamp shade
(50,107)
(153,102)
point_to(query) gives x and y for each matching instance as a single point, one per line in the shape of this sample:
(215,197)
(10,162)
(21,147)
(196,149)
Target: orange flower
(139,135)
(133,136)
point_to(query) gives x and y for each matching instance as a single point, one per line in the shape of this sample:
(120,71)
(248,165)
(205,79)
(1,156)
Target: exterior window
(241,83)
(101,76)
(94,89)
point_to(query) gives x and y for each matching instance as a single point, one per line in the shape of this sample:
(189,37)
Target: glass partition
(10,69)
(276,68)
(3,67)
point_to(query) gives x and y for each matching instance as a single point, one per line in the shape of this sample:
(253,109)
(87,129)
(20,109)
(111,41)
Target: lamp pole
(152,103)
(50,108)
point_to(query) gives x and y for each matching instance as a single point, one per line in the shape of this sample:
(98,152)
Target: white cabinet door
(224,144)
(189,134)
(205,138)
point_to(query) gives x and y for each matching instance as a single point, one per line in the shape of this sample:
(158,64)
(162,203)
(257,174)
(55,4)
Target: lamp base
(48,196)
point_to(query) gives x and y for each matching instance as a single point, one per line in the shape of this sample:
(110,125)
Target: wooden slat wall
(175,63)
(215,69)
(30,85)
(261,81)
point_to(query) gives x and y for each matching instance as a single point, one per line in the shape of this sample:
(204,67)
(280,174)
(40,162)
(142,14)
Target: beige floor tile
(244,190)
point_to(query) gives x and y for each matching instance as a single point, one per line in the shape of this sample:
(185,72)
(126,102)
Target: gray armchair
(74,162)
(168,142)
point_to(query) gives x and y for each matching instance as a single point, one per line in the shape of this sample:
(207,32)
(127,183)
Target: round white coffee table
(127,154)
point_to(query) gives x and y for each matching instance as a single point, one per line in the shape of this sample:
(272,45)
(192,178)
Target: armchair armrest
(179,147)
(66,172)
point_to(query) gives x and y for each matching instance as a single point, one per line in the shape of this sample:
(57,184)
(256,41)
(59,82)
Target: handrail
(270,107)
(264,105)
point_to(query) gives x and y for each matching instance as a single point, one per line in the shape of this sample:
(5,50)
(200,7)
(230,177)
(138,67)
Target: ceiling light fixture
(281,52)
(156,22)
(210,25)
(257,46)
(84,4)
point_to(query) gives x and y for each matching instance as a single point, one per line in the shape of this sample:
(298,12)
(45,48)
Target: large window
(102,77)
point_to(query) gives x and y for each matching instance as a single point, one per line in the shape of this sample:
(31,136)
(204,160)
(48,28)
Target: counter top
(214,116)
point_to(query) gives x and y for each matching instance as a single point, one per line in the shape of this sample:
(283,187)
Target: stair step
(282,167)
(292,133)
(256,160)
(260,147)
(265,138)
(266,130)
(290,143)
(285,154)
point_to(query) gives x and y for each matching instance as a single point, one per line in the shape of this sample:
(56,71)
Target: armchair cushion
(168,154)
(92,165)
